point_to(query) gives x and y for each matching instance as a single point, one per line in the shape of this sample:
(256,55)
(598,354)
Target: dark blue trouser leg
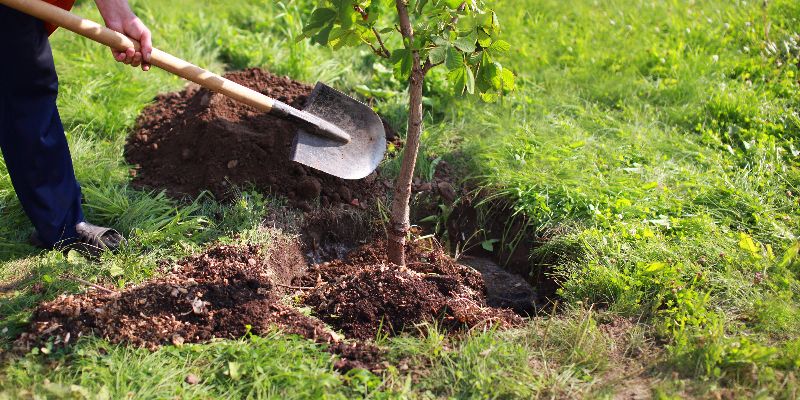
(31,135)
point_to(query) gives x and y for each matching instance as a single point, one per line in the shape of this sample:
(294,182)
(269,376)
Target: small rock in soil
(446,191)
(504,289)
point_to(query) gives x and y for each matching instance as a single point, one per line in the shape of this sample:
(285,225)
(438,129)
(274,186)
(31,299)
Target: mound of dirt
(225,292)
(196,140)
(365,296)
(213,295)
(229,291)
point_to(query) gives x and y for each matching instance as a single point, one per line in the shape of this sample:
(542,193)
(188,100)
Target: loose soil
(196,140)
(225,292)
(216,294)
(364,296)
(229,291)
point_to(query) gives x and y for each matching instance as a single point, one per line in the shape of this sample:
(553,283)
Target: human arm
(118,16)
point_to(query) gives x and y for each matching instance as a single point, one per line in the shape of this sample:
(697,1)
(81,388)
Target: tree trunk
(399,223)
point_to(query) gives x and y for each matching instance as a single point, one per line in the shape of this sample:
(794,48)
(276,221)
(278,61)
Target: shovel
(337,134)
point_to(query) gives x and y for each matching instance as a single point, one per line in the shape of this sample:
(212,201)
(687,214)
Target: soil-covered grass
(650,154)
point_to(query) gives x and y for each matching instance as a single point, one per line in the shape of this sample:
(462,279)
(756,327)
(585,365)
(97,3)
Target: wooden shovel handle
(118,41)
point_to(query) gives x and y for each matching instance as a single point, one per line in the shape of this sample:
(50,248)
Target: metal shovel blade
(353,160)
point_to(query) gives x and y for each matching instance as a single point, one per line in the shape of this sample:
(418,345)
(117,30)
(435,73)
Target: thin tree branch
(86,283)
(405,22)
(460,8)
(428,66)
(386,53)
(375,50)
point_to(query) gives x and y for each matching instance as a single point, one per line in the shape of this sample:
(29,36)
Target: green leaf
(454,59)
(340,37)
(323,36)
(347,15)
(790,255)
(319,18)
(747,243)
(74,257)
(470,80)
(402,59)
(441,41)
(454,4)
(489,97)
(494,23)
(489,75)
(654,268)
(488,245)
(458,78)
(437,55)
(467,43)
(500,46)
(115,271)
(398,55)
(484,39)
(405,65)
(233,370)
(509,80)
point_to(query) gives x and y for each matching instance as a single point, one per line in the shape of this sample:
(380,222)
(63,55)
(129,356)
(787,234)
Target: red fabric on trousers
(65,4)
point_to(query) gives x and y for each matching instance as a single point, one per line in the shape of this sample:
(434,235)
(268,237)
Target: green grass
(659,140)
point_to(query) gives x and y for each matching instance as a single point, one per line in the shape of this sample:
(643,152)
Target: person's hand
(119,17)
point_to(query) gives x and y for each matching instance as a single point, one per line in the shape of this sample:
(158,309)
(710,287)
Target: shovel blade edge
(353,160)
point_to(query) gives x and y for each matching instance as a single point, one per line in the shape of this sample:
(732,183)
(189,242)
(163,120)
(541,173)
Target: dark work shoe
(92,240)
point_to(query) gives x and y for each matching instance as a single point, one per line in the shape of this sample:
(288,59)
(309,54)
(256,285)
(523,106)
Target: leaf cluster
(462,36)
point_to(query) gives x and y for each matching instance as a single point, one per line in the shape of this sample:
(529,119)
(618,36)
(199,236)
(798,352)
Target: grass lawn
(656,145)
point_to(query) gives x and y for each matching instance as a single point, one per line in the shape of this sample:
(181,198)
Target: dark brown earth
(225,292)
(500,220)
(229,291)
(196,140)
(216,294)
(365,296)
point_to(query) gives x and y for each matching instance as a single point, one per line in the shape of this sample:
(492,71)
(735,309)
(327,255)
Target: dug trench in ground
(229,291)
(511,240)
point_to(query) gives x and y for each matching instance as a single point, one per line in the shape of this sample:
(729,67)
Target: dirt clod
(309,188)
(195,140)
(447,191)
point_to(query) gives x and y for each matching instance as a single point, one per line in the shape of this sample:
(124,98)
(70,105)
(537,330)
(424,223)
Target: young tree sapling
(416,36)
